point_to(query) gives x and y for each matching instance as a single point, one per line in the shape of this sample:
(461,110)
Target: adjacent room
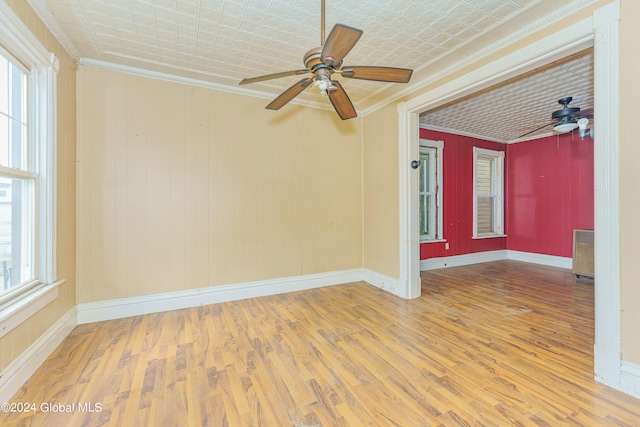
(318,213)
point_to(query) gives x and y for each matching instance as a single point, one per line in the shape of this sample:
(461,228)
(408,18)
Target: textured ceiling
(508,111)
(219,42)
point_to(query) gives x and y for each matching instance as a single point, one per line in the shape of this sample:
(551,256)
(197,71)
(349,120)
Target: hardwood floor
(502,343)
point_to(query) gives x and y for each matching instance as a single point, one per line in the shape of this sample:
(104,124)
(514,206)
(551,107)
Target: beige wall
(182,187)
(16,341)
(380,154)
(381,186)
(208,162)
(630,178)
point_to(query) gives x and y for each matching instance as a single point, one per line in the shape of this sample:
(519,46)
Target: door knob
(415,164)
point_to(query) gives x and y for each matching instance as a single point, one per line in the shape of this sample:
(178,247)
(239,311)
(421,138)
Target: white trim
(42,68)
(499,255)
(41,9)
(568,8)
(134,306)
(485,138)
(20,173)
(408,231)
(457,132)
(567,41)
(630,378)
(465,259)
(433,241)
(438,145)
(603,27)
(607,348)
(198,82)
(542,259)
(16,373)
(16,37)
(44,13)
(379,280)
(22,308)
(498,190)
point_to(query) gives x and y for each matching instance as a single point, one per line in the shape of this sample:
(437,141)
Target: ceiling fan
(325,61)
(567,119)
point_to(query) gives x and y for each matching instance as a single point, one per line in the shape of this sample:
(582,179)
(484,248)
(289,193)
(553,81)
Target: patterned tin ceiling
(219,42)
(519,109)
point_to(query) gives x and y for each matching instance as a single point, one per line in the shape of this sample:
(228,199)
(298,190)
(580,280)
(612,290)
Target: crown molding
(563,12)
(175,78)
(41,9)
(486,138)
(457,132)
(44,13)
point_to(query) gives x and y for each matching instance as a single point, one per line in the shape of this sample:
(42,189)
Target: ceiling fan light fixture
(325,60)
(582,128)
(565,126)
(324,83)
(582,123)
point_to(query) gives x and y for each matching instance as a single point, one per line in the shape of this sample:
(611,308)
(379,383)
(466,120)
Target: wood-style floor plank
(502,343)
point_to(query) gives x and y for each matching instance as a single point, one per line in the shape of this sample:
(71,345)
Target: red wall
(548,193)
(457,196)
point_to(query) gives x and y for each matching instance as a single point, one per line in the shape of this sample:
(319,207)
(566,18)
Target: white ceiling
(508,111)
(219,42)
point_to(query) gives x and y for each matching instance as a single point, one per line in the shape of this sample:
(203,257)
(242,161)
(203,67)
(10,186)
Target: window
(488,188)
(17,180)
(27,156)
(430,193)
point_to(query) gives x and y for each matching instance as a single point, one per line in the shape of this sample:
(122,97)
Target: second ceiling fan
(567,118)
(325,61)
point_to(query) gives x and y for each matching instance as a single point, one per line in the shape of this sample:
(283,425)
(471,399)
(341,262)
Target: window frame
(497,191)
(436,147)
(20,46)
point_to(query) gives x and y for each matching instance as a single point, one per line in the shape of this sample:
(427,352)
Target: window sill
(25,306)
(488,236)
(433,241)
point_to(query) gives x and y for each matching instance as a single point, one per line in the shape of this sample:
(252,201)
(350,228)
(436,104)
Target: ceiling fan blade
(289,94)
(537,129)
(341,102)
(273,76)
(380,74)
(341,40)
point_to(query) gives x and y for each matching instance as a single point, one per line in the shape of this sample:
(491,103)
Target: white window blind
(488,192)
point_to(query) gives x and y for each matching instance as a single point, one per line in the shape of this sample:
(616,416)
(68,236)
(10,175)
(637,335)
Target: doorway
(599,31)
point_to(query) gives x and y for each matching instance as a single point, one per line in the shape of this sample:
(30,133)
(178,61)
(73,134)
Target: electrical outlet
(446,246)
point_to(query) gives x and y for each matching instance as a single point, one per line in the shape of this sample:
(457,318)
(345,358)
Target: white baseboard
(16,373)
(127,307)
(615,373)
(460,260)
(480,257)
(606,366)
(550,260)
(382,281)
(630,379)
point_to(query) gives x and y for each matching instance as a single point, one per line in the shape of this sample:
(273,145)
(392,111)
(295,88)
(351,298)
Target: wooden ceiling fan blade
(341,40)
(341,102)
(273,76)
(380,74)
(289,94)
